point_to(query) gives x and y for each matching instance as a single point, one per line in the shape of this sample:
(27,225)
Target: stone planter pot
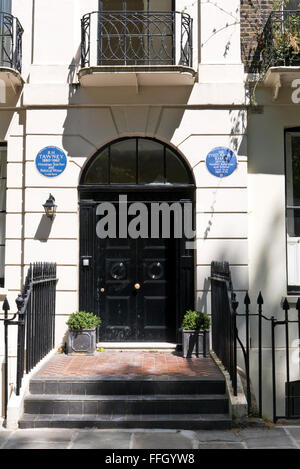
(81,342)
(195,344)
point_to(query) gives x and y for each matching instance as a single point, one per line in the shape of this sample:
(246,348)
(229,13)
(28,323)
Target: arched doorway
(138,275)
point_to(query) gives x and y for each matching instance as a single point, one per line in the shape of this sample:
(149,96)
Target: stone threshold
(138,346)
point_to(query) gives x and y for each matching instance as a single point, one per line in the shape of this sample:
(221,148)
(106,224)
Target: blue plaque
(51,162)
(221,162)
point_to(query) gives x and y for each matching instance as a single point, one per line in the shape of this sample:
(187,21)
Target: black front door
(134,279)
(140,288)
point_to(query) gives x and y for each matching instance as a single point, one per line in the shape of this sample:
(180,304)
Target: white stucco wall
(79,121)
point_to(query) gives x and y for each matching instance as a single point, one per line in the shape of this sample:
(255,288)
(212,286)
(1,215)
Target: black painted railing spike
(247,300)
(260,300)
(5,306)
(285,305)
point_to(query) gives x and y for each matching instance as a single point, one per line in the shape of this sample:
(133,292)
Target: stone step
(160,347)
(127,386)
(127,404)
(170,421)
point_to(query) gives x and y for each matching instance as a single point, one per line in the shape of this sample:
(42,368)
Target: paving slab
(4,435)
(275,438)
(39,439)
(218,435)
(221,445)
(293,431)
(161,440)
(101,440)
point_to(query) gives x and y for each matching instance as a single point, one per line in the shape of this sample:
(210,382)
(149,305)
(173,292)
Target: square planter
(195,344)
(81,342)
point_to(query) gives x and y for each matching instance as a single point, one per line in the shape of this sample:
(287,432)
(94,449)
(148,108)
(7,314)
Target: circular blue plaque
(221,162)
(51,162)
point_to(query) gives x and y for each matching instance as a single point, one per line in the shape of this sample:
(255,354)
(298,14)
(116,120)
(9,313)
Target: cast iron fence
(11,33)
(269,333)
(136,38)
(281,39)
(35,321)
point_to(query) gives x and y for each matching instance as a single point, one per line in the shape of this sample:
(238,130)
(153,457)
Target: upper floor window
(136,32)
(5,5)
(136,5)
(3,178)
(291,5)
(293,207)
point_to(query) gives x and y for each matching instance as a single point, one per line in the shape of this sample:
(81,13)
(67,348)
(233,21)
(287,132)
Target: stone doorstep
(138,346)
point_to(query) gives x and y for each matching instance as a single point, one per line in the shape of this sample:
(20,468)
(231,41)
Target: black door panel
(136,286)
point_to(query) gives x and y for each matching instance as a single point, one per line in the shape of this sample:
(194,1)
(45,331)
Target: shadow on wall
(111,112)
(44,229)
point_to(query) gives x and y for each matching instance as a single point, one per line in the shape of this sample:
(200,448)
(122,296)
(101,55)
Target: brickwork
(254,14)
(129,365)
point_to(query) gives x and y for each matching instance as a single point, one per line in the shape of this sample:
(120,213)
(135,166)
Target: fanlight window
(137,161)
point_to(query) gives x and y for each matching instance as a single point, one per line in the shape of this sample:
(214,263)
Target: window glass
(137,161)
(295,149)
(176,171)
(151,162)
(98,171)
(136,5)
(123,159)
(160,5)
(5,5)
(3,172)
(111,5)
(292,5)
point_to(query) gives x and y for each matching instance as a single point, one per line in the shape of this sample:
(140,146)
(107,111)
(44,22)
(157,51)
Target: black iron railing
(136,38)
(223,319)
(281,39)
(11,33)
(275,341)
(35,320)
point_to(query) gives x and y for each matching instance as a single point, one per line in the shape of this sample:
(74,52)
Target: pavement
(272,437)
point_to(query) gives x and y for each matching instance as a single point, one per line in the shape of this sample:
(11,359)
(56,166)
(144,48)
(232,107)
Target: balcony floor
(137,75)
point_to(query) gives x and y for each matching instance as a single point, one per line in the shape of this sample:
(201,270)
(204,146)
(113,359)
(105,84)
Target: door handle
(102,290)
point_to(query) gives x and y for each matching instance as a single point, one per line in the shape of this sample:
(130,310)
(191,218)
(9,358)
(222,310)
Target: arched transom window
(137,161)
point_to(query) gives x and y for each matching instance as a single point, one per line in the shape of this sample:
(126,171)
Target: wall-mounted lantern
(50,207)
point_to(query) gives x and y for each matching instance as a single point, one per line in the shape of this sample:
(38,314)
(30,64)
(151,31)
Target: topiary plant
(83,320)
(195,321)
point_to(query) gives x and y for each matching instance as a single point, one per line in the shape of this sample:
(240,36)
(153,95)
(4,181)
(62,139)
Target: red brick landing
(129,365)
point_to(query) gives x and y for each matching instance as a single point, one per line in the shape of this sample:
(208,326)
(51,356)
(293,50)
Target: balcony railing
(136,38)
(11,33)
(281,39)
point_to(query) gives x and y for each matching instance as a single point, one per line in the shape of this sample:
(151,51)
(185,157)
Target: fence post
(260,302)
(286,308)
(21,342)
(273,324)
(5,308)
(247,303)
(235,306)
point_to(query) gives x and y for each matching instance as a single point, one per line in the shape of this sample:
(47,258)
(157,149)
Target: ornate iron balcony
(281,39)
(11,33)
(136,38)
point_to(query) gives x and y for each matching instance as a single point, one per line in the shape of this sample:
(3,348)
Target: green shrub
(83,320)
(195,321)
